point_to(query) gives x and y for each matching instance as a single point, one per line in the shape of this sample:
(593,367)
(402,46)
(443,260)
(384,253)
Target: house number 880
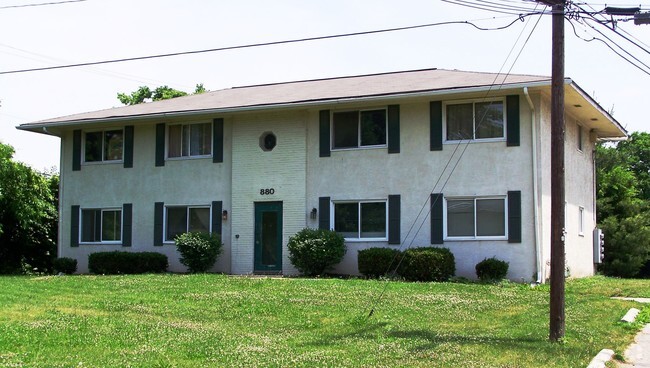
(267,191)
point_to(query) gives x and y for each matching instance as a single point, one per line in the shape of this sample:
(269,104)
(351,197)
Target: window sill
(101,243)
(188,158)
(467,239)
(485,140)
(93,163)
(365,240)
(363,148)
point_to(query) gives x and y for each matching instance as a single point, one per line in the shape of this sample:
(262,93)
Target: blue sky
(94,30)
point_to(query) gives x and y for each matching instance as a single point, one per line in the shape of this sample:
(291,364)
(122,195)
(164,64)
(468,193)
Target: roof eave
(41,127)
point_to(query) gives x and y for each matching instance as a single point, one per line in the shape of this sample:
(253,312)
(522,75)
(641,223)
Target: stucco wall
(481,169)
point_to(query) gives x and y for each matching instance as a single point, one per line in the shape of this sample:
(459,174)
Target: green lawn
(222,321)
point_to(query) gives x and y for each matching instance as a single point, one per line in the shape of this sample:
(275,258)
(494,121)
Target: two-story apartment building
(418,158)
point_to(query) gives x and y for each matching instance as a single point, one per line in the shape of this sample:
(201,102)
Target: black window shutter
(74,226)
(160,144)
(394,231)
(127,223)
(217,141)
(158,224)
(435,125)
(324,133)
(436,219)
(324,213)
(393,129)
(217,207)
(512,125)
(128,146)
(514,216)
(76,150)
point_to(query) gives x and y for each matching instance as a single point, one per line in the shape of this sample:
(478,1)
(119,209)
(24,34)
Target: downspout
(536,232)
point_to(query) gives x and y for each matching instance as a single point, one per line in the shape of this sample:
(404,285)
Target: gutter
(536,222)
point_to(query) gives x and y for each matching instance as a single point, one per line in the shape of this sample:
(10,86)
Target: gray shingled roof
(319,91)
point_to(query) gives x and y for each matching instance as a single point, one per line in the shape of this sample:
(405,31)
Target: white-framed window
(104,146)
(101,225)
(189,140)
(359,129)
(475,120)
(476,218)
(361,220)
(581,221)
(186,219)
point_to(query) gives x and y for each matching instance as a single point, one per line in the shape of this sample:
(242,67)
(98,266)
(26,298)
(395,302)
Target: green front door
(268,237)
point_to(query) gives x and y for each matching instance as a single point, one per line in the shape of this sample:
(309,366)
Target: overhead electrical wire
(452,157)
(272,43)
(41,4)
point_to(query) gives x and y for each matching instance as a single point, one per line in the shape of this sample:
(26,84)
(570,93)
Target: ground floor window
(185,219)
(476,217)
(361,219)
(101,225)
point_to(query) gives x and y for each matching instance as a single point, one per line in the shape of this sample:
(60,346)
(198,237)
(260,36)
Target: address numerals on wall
(267,191)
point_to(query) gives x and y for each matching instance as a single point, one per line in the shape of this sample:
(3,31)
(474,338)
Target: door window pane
(460,217)
(269,238)
(490,217)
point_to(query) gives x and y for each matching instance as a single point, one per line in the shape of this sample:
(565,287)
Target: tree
(623,205)
(28,215)
(145,94)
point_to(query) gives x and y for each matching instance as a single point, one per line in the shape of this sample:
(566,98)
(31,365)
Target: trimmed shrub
(64,265)
(199,251)
(491,269)
(375,262)
(315,251)
(427,264)
(112,263)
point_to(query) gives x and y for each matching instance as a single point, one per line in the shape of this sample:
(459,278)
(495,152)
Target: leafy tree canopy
(28,215)
(623,204)
(145,94)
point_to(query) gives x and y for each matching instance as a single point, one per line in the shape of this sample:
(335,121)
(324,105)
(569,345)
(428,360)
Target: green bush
(377,262)
(199,251)
(65,265)
(427,264)
(491,269)
(111,263)
(314,251)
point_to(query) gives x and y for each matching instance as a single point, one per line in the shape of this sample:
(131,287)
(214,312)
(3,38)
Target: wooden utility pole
(557,320)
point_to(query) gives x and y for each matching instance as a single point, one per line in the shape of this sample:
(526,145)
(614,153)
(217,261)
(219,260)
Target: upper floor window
(185,219)
(189,140)
(475,218)
(364,220)
(475,120)
(355,129)
(579,138)
(105,145)
(101,225)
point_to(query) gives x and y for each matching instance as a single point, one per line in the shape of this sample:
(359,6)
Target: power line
(273,43)
(41,4)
